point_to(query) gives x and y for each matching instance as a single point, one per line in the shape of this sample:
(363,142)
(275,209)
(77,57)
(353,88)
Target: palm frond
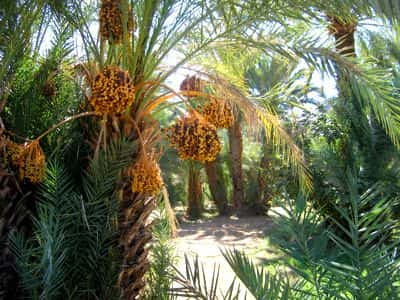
(74,247)
(365,240)
(284,143)
(260,283)
(196,283)
(372,86)
(42,261)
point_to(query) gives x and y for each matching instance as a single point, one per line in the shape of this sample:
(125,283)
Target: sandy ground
(206,239)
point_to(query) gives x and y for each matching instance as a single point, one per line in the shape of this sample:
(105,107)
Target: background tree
(264,76)
(195,192)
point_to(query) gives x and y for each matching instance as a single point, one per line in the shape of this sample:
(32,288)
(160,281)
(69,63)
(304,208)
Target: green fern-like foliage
(360,262)
(42,260)
(73,251)
(162,260)
(43,91)
(260,283)
(197,283)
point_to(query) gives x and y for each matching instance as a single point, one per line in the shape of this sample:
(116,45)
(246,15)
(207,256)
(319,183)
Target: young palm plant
(73,250)
(26,75)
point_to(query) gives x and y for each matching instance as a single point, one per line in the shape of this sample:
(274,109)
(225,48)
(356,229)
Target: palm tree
(236,153)
(131,56)
(161,26)
(265,75)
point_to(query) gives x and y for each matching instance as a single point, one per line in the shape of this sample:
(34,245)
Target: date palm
(161,25)
(143,51)
(265,75)
(135,237)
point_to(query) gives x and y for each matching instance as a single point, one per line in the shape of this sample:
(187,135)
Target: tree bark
(235,150)
(134,225)
(263,200)
(195,206)
(215,181)
(344,36)
(135,234)
(345,45)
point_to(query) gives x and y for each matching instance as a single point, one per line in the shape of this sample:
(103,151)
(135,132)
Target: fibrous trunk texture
(217,187)
(195,205)
(236,149)
(345,45)
(134,224)
(344,36)
(135,234)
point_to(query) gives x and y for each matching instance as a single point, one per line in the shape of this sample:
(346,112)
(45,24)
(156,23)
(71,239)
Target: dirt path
(206,238)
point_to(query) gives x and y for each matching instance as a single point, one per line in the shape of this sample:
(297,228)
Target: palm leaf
(197,283)
(261,284)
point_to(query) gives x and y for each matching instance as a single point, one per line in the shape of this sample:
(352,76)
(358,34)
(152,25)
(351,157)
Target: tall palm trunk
(195,206)
(263,200)
(345,45)
(135,234)
(236,149)
(343,34)
(135,208)
(215,181)
(134,224)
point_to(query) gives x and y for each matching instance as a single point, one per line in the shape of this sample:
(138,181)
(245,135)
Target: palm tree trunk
(215,181)
(195,206)
(344,36)
(134,225)
(235,150)
(135,234)
(263,199)
(345,45)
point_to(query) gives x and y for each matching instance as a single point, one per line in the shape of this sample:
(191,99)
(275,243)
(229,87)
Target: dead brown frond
(172,220)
